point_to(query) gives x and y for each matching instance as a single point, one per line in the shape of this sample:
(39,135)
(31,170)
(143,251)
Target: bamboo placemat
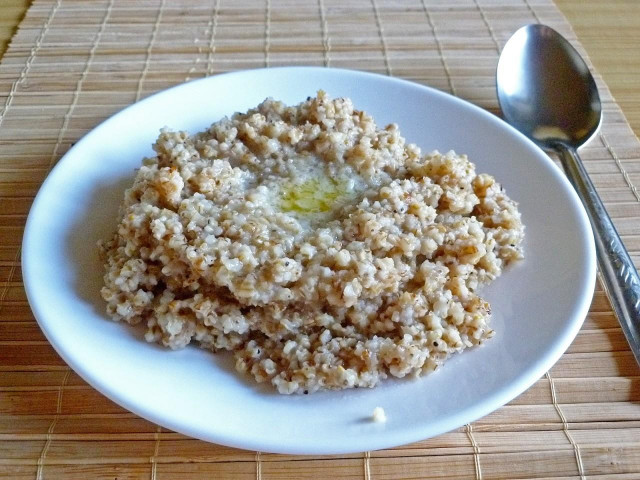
(74,63)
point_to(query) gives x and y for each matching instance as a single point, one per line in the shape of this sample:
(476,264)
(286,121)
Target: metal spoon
(546,91)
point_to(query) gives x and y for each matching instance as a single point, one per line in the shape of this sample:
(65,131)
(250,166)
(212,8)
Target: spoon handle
(621,281)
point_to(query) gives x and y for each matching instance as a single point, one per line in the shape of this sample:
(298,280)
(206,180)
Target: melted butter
(316,195)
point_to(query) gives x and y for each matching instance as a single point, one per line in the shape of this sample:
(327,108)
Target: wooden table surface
(610,32)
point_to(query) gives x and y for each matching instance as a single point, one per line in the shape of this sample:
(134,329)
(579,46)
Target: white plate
(538,304)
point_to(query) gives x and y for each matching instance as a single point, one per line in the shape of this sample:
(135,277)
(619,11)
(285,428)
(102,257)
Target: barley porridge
(323,251)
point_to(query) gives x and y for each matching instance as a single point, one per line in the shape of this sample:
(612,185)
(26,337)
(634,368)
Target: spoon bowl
(546,91)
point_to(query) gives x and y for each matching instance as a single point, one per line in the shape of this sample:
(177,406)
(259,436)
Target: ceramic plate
(538,305)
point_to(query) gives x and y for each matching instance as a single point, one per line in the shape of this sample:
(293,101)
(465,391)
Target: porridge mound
(323,251)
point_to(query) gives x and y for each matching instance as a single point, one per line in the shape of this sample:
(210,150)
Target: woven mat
(74,63)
